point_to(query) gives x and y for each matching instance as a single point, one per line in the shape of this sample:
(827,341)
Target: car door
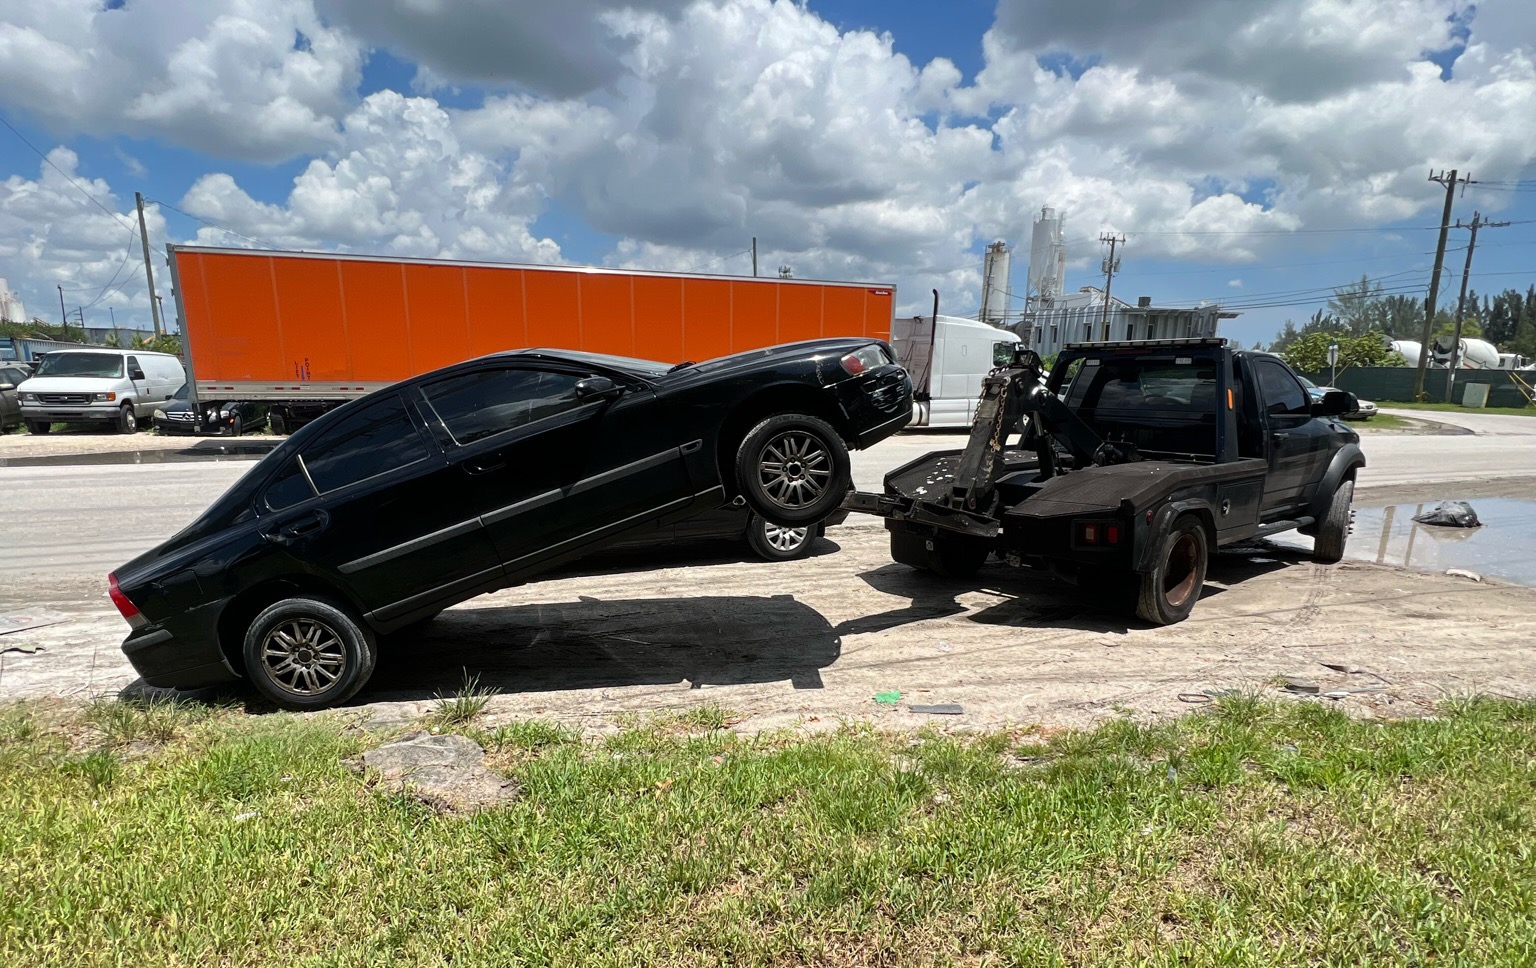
(10,400)
(1292,445)
(372,505)
(551,464)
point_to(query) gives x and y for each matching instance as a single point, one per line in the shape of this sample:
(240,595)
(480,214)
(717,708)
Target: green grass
(1250,833)
(1382,421)
(1457,408)
(461,707)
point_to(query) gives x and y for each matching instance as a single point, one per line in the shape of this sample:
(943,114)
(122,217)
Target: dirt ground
(809,644)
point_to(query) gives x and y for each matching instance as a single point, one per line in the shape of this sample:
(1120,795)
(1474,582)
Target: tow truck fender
(1147,549)
(1349,459)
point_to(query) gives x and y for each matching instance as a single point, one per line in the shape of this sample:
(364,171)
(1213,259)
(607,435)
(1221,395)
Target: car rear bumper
(166,660)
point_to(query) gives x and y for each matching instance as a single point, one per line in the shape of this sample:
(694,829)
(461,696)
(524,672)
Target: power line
(212,224)
(67,177)
(718,261)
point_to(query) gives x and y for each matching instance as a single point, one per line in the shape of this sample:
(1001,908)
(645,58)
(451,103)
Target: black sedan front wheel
(307,653)
(793,469)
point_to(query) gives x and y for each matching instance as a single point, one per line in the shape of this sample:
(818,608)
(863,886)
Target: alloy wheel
(303,656)
(785,540)
(795,469)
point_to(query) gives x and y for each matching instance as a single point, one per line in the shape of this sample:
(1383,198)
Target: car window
(12,376)
(485,402)
(288,488)
(101,365)
(1282,394)
(379,437)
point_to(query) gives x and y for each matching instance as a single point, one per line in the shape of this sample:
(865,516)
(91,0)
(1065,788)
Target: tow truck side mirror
(1335,403)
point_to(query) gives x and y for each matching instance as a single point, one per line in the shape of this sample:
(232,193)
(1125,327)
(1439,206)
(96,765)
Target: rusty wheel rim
(1181,576)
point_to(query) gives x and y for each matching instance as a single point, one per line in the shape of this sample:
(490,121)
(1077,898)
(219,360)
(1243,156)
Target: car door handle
(485,465)
(305,527)
(1279,436)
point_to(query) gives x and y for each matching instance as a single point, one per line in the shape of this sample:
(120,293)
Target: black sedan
(224,418)
(480,476)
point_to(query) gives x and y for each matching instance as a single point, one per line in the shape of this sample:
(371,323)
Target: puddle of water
(1501,548)
(209,450)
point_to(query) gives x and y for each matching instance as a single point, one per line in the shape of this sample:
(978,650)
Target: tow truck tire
(1167,593)
(308,653)
(793,469)
(1333,530)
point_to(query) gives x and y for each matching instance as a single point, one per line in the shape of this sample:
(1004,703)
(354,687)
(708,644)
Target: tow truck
(1130,463)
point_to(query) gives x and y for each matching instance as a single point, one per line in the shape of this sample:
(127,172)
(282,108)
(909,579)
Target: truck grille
(65,399)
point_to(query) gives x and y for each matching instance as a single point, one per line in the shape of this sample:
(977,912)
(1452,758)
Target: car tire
(39,428)
(127,419)
(1333,529)
(775,542)
(308,653)
(793,469)
(236,426)
(1167,593)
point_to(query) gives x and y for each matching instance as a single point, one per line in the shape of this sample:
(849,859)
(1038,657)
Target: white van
(117,388)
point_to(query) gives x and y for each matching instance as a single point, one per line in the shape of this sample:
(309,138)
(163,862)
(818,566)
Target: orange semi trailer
(307,331)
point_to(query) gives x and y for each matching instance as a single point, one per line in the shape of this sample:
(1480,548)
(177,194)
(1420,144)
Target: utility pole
(754,257)
(1461,301)
(1449,181)
(63,316)
(149,272)
(1111,266)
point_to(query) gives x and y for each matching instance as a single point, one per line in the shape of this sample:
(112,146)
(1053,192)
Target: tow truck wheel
(1168,592)
(793,469)
(308,653)
(1333,530)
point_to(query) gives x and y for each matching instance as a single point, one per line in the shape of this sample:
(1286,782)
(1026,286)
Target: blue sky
(886,142)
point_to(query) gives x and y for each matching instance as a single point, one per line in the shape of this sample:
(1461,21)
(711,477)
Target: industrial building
(1051,317)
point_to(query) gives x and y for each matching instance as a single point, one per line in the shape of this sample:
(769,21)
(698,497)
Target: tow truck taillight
(1098,533)
(129,610)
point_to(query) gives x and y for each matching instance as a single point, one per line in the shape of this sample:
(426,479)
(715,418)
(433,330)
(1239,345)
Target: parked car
(480,476)
(117,388)
(226,418)
(12,375)
(1364,409)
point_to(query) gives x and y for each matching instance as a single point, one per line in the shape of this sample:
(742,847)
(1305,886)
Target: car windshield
(1306,382)
(181,393)
(81,364)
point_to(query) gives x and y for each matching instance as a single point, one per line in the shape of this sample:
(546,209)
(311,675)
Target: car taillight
(129,610)
(865,358)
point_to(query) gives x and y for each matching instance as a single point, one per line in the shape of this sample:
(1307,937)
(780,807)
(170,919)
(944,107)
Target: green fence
(1387,384)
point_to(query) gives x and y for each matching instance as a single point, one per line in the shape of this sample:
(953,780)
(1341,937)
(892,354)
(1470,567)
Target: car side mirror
(1335,403)
(7,386)
(1002,354)
(597,388)
(135,374)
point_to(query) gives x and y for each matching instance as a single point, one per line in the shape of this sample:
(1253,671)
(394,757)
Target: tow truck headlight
(104,397)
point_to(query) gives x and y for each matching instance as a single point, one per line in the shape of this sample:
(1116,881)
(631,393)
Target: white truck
(948,357)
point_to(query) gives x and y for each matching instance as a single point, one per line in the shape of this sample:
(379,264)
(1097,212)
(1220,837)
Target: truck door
(1292,444)
(550,471)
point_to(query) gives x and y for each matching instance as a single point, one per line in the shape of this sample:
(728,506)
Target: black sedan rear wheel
(793,469)
(308,653)
(774,542)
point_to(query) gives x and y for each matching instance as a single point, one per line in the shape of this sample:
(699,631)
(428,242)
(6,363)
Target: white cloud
(52,235)
(261,79)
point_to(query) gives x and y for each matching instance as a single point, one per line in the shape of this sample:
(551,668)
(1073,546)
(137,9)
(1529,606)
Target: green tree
(1524,341)
(1309,353)
(1320,322)
(1402,317)
(1359,307)
(164,343)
